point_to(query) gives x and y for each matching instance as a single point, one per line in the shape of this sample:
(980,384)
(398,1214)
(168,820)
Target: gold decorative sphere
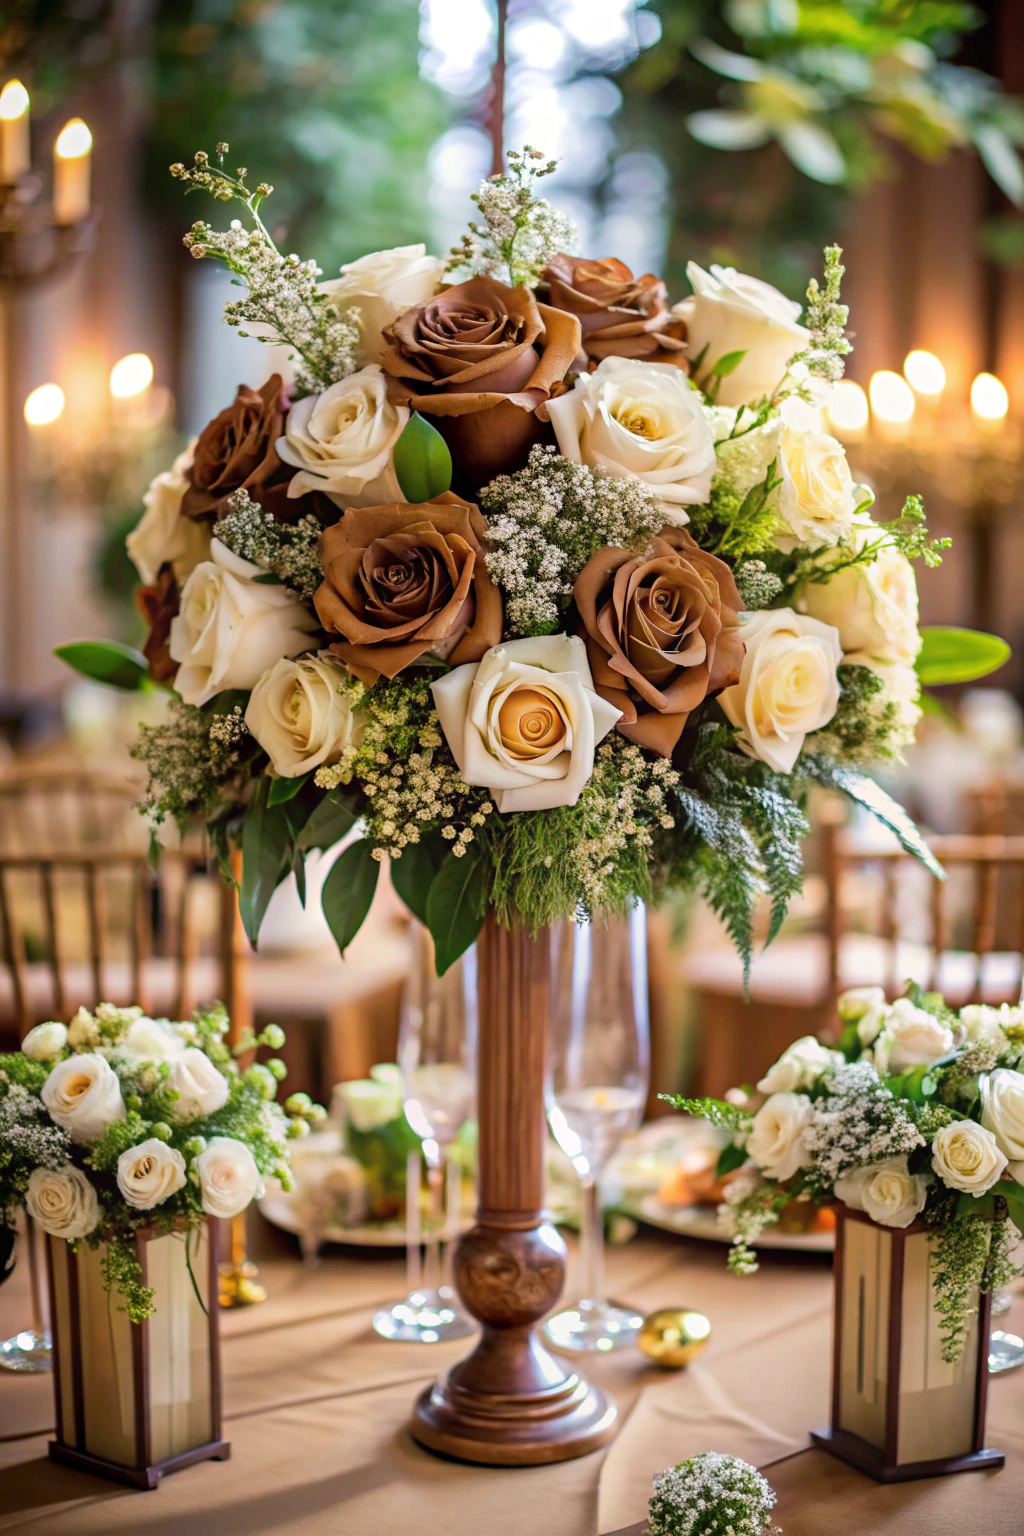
(674,1336)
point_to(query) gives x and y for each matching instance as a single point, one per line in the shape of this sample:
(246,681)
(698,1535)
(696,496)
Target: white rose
(162,535)
(984,1025)
(966,1156)
(800,1065)
(888,1192)
(83,1031)
(231,629)
(228,1176)
(342,441)
(201,1088)
(63,1202)
(1002,1113)
(149,1173)
(788,685)
(83,1095)
(639,421)
(152,1039)
(910,1038)
(816,499)
(524,721)
(301,714)
(730,312)
(871,1023)
(874,607)
(383,286)
(855,1002)
(45,1041)
(776,1142)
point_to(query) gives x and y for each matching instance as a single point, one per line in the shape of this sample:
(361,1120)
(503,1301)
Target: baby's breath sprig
(521,231)
(289,551)
(711,1495)
(825,318)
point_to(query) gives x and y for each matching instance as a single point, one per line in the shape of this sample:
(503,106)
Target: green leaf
(266,858)
(413,874)
(978,1205)
(286,789)
(728,363)
(888,811)
(422,461)
(730,1158)
(105,661)
(457,905)
(348,892)
(299,871)
(327,825)
(1013,1194)
(268,579)
(1001,161)
(958,655)
(227,702)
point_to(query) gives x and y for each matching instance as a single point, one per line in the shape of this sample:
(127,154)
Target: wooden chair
(56,811)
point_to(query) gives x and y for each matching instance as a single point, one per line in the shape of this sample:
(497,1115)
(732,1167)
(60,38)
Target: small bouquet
(119,1121)
(918,1115)
(711,1495)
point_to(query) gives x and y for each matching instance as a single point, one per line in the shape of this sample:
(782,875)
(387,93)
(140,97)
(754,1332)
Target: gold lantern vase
(899,1411)
(137,1400)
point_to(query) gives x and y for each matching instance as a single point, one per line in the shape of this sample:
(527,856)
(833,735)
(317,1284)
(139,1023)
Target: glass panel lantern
(136,1400)
(900,1411)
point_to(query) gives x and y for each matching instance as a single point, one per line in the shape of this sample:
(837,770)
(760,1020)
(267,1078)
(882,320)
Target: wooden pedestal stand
(511,1403)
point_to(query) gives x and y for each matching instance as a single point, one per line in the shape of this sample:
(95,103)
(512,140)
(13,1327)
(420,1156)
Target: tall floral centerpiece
(551,593)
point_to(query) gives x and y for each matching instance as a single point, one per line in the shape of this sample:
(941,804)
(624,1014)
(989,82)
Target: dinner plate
(702,1221)
(280,1212)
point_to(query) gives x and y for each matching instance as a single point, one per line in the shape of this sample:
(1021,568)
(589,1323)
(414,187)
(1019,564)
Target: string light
(44,405)
(892,398)
(131,375)
(924,371)
(848,407)
(989,399)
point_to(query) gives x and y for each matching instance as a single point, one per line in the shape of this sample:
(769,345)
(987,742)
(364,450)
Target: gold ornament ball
(674,1336)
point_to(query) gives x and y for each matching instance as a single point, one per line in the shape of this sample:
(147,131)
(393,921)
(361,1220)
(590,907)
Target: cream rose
(228,1177)
(149,1173)
(800,1065)
(45,1041)
(984,1025)
(730,312)
(301,714)
(874,607)
(776,1142)
(888,1192)
(909,1038)
(152,1039)
(816,499)
(63,1202)
(855,1002)
(202,1089)
(966,1156)
(83,1095)
(231,629)
(342,441)
(788,684)
(162,535)
(383,286)
(524,721)
(83,1031)
(1002,1113)
(639,421)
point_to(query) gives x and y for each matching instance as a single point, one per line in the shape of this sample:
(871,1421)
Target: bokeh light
(74,140)
(848,407)
(989,398)
(892,398)
(131,375)
(14,101)
(924,372)
(44,405)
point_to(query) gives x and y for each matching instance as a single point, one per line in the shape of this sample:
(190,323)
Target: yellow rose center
(76,1086)
(640,421)
(530,722)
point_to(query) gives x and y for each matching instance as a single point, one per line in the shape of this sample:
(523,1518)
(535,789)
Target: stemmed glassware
(30,1349)
(437,1057)
(596,1090)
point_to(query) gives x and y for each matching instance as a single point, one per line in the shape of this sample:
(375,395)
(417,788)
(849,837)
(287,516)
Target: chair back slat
(52,939)
(14,958)
(94,900)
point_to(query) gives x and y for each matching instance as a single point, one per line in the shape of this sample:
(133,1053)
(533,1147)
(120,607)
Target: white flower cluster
(521,231)
(711,1495)
(625,798)
(858,1123)
(290,551)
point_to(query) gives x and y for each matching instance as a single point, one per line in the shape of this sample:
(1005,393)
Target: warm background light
(44,405)
(73,140)
(131,375)
(892,398)
(924,371)
(989,398)
(14,100)
(71,173)
(848,407)
(15,157)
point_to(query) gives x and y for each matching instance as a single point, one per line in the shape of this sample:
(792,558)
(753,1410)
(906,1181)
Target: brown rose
(236,451)
(404,579)
(620,315)
(158,605)
(661,631)
(478,359)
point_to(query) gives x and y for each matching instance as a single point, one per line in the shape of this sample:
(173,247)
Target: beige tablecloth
(317,1406)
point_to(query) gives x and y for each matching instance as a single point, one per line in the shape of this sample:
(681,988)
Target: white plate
(702,1221)
(280,1212)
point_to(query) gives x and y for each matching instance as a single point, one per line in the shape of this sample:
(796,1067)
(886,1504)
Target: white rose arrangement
(301,713)
(729,313)
(914,1115)
(380,287)
(142,1121)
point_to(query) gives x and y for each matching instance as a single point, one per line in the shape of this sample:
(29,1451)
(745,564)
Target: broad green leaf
(105,661)
(227,702)
(728,130)
(268,579)
(348,892)
(286,789)
(1013,1194)
(889,812)
(978,1205)
(299,871)
(728,363)
(814,151)
(266,858)
(422,461)
(457,905)
(730,1158)
(413,874)
(1001,161)
(958,655)
(327,825)
(735,66)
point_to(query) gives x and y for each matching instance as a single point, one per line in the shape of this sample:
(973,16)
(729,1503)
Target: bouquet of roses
(918,1115)
(558,592)
(118,1121)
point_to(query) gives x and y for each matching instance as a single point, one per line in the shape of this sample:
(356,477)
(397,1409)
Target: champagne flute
(596,1090)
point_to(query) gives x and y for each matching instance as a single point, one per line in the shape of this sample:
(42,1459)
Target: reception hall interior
(511,767)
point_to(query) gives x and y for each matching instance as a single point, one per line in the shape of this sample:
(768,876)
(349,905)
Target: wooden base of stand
(138,1477)
(868,1458)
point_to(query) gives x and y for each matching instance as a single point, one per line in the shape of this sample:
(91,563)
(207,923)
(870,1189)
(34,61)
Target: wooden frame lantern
(137,1400)
(899,1411)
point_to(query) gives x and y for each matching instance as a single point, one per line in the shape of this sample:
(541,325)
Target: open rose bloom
(539,582)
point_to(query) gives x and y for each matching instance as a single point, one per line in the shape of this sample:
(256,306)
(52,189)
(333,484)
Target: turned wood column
(511,1402)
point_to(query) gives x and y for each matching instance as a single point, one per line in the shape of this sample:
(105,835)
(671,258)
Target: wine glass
(596,1090)
(29,1350)
(437,1057)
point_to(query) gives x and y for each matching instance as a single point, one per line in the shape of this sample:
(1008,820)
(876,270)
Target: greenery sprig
(520,231)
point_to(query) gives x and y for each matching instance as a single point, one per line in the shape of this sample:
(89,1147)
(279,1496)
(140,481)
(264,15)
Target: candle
(989,401)
(71,155)
(14,144)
